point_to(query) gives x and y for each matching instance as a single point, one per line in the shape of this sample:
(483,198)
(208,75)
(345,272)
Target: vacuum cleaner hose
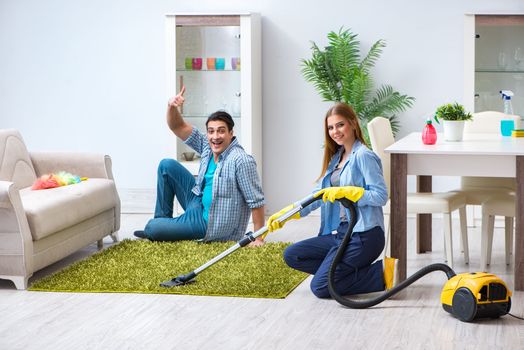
(362,304)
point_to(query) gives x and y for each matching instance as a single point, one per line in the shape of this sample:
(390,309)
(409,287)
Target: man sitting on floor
(227,190)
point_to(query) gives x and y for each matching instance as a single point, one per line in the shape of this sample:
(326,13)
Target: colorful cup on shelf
(188,63)
(220,63)
(196,63)
(506,127)
(211,63)
(235,63)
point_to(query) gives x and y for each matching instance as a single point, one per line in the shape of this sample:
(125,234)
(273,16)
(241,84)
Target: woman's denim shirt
(363,169)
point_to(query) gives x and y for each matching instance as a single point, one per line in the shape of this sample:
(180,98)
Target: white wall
(89,75)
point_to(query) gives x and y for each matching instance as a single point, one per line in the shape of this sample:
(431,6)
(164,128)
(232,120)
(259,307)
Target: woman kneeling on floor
(349,170)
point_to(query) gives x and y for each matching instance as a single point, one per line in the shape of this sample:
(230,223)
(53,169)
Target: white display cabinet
(499,61)
(217,57)
(493,61)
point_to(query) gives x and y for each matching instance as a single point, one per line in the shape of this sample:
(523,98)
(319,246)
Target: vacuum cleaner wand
(248,238)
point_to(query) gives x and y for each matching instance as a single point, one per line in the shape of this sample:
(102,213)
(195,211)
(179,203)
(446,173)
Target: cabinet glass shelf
(498,71)
(208,70)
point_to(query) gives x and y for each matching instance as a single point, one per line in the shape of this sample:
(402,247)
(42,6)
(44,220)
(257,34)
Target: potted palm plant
(339,74)
(453,117)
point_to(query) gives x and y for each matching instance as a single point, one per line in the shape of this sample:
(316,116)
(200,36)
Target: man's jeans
(174,180)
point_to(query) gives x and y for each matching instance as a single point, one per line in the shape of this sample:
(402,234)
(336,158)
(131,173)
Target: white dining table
(476,155)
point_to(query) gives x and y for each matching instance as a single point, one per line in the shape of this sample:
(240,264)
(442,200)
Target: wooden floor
(413,320)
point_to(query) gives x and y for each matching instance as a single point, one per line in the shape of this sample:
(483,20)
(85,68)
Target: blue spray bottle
(506,97)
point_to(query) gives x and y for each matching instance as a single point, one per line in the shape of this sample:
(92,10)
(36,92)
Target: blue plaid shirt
(236,188)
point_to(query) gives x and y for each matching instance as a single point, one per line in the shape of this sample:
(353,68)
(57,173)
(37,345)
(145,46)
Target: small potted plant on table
(453,115)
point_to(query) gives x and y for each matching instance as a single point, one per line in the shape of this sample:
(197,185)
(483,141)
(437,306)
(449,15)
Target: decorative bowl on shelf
(188,156)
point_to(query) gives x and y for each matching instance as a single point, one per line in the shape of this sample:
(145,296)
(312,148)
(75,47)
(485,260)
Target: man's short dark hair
(222,116)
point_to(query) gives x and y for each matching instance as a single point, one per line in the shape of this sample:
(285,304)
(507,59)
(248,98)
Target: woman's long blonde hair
(330,146)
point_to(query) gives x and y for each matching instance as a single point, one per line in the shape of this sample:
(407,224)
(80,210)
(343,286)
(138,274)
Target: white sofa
(38,228)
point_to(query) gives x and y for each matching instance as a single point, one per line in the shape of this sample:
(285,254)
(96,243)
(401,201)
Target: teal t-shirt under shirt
(207,193)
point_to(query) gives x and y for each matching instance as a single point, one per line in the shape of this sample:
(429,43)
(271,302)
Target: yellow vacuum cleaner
(473,295)
(467,296)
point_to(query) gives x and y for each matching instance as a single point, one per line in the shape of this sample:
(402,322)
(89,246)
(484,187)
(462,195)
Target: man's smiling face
(218,136)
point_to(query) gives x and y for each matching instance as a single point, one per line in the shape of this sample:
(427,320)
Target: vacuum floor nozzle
(179,280)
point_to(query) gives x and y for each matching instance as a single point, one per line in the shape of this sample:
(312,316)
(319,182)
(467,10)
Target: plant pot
(453,130)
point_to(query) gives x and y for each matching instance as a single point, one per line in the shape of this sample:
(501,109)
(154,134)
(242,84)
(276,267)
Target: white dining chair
(480,190)
(501,205)
(381,136)
(488,122)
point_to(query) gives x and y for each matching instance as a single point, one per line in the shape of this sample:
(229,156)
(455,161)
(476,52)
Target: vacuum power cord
(517,317)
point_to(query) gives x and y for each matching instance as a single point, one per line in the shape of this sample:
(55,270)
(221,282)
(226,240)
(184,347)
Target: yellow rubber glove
(273,224)
(352,193)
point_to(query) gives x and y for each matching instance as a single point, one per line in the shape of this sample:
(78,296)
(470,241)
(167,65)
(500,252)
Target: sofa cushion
(55,209)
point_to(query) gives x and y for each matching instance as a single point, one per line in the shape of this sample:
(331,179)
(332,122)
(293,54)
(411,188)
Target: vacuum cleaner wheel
(464,305)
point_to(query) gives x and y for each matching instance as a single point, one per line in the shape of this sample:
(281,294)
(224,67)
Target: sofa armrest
(16,242)
(94,165)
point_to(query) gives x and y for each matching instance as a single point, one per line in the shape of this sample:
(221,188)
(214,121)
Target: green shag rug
(139,266)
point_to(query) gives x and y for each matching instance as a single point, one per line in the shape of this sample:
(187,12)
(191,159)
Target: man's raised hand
(179,99)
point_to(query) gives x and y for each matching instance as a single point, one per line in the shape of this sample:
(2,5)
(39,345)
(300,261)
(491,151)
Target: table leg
(398,193)
(424,221)
(519,226)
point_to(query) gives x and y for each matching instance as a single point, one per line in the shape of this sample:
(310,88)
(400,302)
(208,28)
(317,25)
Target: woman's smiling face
(340,129)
